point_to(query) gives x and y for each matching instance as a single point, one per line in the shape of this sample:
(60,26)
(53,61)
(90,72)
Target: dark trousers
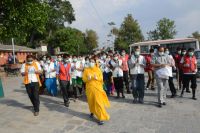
(187,78)
(137,85)
(65,90)
(171,86)
(75,91)
(118,82)
(33,93)
(125,77)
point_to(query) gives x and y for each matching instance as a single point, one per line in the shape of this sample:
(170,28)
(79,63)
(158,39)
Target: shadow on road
(15,103)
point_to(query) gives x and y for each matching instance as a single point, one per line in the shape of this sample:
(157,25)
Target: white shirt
(117,72)
(78,66)
(135,65)
(73,70)
(31,72)
(48,68)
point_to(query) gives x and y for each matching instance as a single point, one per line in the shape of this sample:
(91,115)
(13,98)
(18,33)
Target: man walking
(31,71)
(64,75)
(161,63)
(136,65)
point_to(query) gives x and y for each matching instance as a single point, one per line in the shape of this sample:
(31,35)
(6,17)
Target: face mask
(59,59)
(104,57)
(66,60)
(167,52)
(108,59)
(161,53)
(87,61)
(75,60)
(115,58)
(137,53)
(123,53)
(191,54)
(48,61)
(183,53)
(92,64)
(30,62)
(152,54)
(44,59)
(179,52)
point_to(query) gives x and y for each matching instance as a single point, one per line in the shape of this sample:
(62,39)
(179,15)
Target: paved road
(181,115)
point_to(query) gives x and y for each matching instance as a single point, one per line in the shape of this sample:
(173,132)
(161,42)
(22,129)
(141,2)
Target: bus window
(197,54)
(144,49)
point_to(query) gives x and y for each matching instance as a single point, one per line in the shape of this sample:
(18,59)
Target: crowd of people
(100,75)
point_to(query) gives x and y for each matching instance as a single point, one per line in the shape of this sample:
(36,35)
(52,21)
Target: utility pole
(13,46)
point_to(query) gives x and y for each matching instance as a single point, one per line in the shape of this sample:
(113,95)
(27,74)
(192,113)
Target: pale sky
(185,13)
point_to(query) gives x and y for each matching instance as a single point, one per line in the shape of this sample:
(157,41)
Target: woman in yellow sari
(96,96)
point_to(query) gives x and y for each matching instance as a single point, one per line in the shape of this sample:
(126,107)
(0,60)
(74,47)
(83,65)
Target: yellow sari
(96,96)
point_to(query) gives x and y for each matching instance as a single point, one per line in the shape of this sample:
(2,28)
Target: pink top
(125,62)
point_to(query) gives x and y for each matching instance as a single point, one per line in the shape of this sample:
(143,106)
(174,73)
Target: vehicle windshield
(197,54)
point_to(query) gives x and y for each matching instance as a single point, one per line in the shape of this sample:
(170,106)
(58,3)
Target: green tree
(128,33)
(91,40)
(61,11)
(196,35)
(165,29)
(22,18)
(69,40)
(30,21)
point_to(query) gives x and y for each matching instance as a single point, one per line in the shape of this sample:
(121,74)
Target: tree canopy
(165,29)
(128,33)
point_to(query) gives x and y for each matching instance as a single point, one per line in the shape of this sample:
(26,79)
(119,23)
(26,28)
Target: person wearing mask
(116,65)
(177,58)
(64,75)
(189,67)
(79,72)
(125,69)
(96,96)
(184,51)
(137,64)
(170,80)
(42,76)
(31,71)
(161,63)
(50,76)
(74,77)
(149,70)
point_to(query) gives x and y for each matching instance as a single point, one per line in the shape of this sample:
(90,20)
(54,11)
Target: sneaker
(123,97)
(147,88)
(141,101)
(160,105)
(91,115)
(188,91)
(194,98)
(135,100)
(164,103)
(36,113)
(66,104)
(100,122)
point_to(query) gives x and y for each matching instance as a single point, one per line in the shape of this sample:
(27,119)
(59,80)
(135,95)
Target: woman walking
(96,96)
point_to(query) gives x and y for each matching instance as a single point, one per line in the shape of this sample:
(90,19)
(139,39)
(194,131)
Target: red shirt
(148,59)
(177,59)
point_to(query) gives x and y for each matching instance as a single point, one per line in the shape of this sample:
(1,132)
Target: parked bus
(171,44)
